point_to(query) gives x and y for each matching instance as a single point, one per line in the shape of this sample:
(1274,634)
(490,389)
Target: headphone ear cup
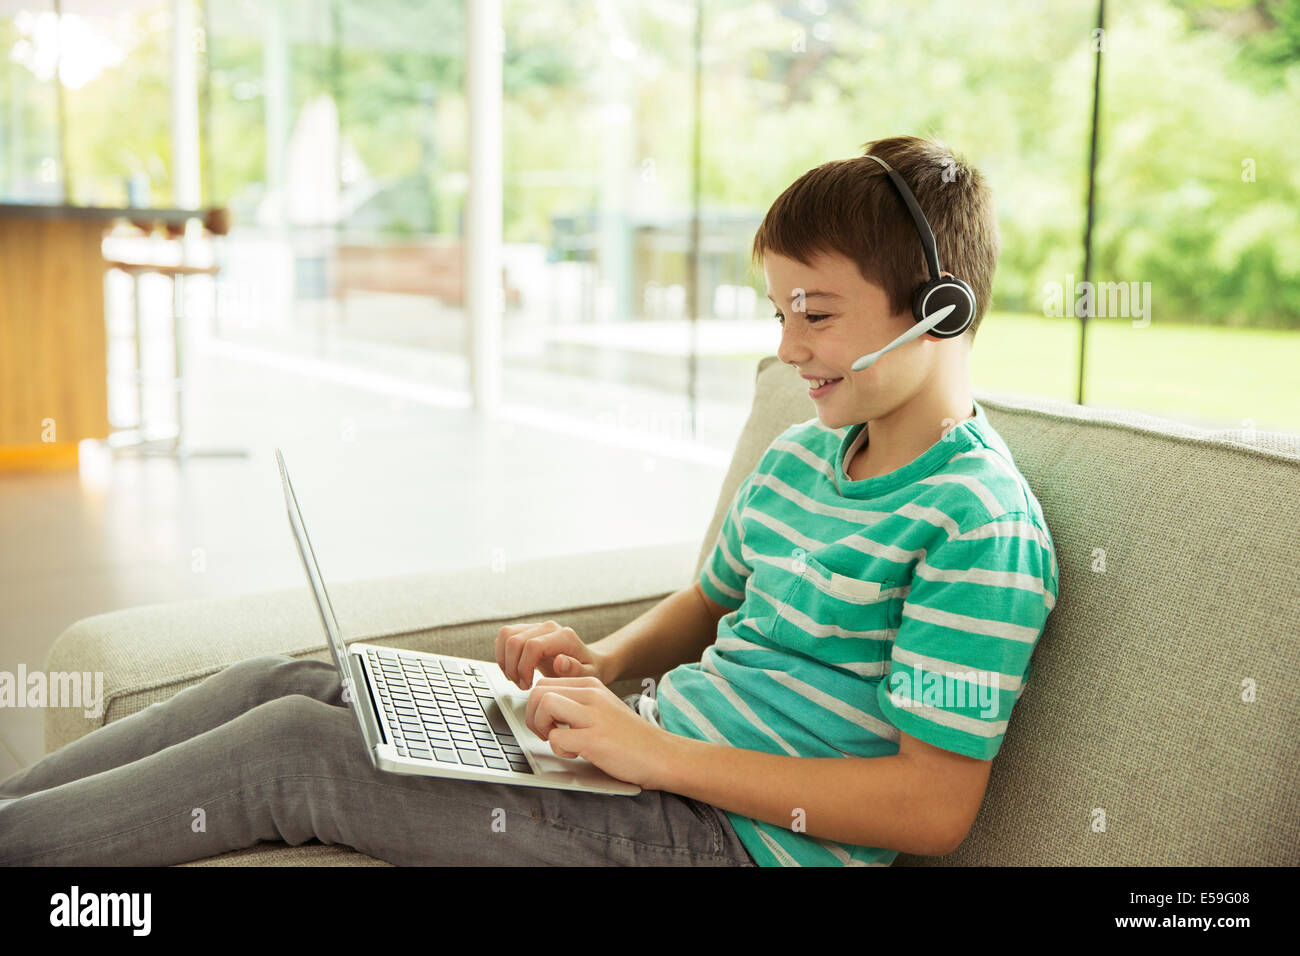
(940,293)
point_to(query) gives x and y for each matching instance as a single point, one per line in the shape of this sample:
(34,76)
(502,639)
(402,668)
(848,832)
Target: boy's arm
(921,800)
(675,631)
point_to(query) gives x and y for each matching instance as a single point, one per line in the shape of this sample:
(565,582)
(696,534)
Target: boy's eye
(811,318)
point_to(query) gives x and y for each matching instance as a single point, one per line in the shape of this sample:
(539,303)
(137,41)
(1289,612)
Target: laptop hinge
(360,684)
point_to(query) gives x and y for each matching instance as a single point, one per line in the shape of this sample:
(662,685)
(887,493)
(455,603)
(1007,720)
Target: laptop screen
(334,637)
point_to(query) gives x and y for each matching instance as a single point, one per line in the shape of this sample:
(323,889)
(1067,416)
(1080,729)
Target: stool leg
(182,450)
(178,334)
(139,352)
(216,307)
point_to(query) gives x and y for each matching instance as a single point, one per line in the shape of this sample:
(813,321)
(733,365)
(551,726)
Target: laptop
(437,715)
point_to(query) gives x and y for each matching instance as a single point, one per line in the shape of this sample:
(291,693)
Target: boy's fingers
(540,651)
(512,643)
(553,709)
(534,649)
(544,686)
(504,633)
(566,665)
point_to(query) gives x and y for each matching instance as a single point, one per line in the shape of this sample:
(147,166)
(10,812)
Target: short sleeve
(725,571)
(975,609)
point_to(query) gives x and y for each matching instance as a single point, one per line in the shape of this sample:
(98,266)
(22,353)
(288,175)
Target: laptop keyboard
(441,709)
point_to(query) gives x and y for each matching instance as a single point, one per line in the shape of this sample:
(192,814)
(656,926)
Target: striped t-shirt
(852,601)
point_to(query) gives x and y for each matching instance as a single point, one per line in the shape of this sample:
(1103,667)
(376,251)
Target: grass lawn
(1203,375)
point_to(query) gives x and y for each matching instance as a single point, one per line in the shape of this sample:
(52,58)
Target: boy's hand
(555,651)
(581,717)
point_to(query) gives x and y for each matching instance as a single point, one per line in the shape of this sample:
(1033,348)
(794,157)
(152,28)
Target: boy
(880,581)
(875,548)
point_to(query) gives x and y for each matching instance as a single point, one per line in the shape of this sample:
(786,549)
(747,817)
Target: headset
(944,306)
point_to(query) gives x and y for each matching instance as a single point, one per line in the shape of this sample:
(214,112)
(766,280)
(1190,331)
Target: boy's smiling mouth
(820,386)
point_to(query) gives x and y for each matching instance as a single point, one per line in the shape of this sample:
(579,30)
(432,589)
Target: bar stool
(137,440)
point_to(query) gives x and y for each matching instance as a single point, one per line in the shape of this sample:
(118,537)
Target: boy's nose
(791,350)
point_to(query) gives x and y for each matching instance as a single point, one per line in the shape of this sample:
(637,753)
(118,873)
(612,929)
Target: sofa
(1161,722)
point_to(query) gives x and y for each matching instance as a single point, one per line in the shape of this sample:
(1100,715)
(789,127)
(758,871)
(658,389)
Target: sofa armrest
(147,654)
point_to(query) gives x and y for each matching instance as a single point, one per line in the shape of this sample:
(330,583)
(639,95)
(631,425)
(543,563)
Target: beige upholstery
(1177,552)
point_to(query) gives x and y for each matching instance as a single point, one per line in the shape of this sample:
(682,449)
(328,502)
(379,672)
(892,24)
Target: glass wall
(335,131)
(337,140)
(29,131)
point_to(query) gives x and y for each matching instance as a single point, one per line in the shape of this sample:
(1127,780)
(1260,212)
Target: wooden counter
(53,333)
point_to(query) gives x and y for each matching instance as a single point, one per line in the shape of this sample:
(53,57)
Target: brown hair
(850,207)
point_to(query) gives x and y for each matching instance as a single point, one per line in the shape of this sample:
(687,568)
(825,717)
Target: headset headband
(922,226)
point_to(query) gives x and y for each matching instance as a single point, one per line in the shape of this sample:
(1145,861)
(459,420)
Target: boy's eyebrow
(813,295)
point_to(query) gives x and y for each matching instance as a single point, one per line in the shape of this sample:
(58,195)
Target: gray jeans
(267,750)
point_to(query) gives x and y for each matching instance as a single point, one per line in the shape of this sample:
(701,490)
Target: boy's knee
(261,678)
(263,662)
(296,734)
(295,717)
(308,734)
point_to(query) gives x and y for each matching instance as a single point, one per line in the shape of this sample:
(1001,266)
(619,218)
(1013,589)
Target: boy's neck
(903,435)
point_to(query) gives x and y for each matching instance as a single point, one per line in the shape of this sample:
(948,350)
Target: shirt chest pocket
(839,615)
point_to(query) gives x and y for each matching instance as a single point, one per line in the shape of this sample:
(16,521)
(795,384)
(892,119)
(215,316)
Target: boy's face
(858,321)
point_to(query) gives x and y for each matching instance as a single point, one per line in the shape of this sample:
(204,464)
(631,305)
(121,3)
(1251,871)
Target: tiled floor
(392,477)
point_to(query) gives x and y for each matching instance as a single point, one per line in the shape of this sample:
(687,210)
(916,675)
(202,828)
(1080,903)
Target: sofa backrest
(1162,701)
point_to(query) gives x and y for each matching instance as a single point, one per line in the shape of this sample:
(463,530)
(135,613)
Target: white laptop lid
(334,637)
